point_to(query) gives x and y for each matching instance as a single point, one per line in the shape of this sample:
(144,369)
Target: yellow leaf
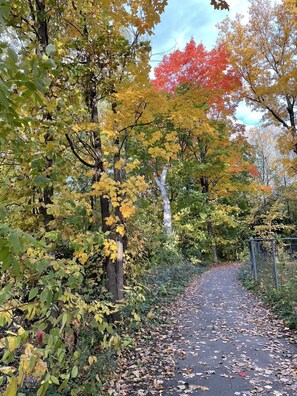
(136,316)
(127,210)
(113,256)
(150,315)
(83,258)
(21,331)
(119,164)
(12,388)
(13,343)
(92,360)
(6,316)
(120,229)
(7,369)
(110,220)
(40,368)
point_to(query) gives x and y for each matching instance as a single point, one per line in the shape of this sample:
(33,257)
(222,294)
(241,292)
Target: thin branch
(76,154)
(277,117)
(72,24)
(134,125)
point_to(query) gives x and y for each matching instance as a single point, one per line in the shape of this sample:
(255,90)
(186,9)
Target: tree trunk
(205,190)
(43,41)
(167,219)
(119,177)
(120,267)
(213,243)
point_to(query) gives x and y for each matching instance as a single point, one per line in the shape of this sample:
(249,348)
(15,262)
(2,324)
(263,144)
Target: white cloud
(191,18)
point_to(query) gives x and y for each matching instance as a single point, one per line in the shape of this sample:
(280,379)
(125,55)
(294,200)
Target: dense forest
(108,177)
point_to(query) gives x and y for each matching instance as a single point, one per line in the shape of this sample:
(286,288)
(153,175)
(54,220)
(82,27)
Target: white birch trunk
(161,183)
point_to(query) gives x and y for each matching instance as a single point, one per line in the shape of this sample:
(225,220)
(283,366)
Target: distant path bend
(232,344)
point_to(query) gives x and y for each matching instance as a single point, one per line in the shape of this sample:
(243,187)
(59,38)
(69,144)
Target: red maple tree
(208,70)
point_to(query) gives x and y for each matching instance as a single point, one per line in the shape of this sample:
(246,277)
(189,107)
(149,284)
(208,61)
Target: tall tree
(210,87)
(275,196)
(110,63)
(264,54)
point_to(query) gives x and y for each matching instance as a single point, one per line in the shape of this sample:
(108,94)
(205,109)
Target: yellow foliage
(110,248)
(119,164)
(111,220)
(7,370)
(6,317)
(82,256)
(31,364)
(121,230)
(85,127)
(132,165)
(12,388)
(92,360)
(156,136)
(40,368)
(12,342)
(127,209)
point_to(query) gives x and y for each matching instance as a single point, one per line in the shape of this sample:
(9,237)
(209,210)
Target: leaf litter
(216,336)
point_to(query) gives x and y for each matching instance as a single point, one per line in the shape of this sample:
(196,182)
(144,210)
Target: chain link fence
(274,263)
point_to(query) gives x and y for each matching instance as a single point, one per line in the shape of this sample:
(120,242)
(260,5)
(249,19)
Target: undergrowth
(279,300)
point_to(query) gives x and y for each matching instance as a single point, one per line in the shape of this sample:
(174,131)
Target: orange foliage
(266,189)
(252,169)
(209,70)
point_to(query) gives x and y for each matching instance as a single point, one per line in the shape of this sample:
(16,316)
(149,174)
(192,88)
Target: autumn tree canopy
(86,141)
(203,93)
(207,70)
(263,52)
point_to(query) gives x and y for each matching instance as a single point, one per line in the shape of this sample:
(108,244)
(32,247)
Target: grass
(282,301)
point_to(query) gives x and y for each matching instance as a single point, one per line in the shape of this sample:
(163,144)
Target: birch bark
(161,183)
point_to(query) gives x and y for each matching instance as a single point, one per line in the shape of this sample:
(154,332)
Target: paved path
(230,343)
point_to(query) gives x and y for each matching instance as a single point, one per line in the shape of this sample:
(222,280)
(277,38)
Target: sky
(184,19)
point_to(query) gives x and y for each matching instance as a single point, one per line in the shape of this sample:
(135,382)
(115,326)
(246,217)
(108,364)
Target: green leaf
(50,49)
(4,252)
(42,390)
(54,380)
(16,243)
(74,372)
(11,53)
(40,181)
(15,266)
(7,263)
(42,265)
(37,164)
(4,98)
(2,214)
(4,10)
(3,297)
(64,319)
(33,293)
(63,385)
(44,295)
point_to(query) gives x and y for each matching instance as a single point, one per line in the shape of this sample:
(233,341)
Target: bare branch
(76,154)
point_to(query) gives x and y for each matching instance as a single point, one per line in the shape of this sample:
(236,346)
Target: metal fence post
(291,251)
(274,265)
(253,258)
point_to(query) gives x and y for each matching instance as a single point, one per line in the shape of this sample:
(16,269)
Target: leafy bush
(57,333)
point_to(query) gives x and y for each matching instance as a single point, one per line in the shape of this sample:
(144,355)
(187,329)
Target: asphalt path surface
(230,343)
